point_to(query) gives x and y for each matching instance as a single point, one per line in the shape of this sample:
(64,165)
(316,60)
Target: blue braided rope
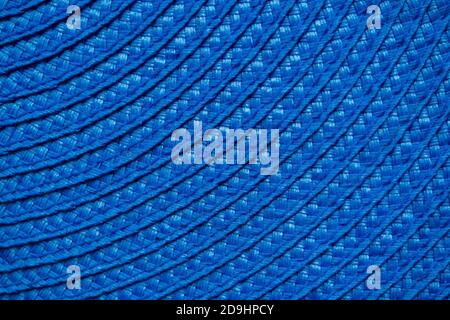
(86,176)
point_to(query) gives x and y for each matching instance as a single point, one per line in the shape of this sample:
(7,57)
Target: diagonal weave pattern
(86,177)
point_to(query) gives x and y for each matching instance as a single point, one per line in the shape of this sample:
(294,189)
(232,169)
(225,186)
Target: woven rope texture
(87,179)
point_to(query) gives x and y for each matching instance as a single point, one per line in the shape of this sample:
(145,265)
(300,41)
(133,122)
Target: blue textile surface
(87,180)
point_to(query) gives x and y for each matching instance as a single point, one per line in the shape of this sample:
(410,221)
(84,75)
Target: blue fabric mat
(87,180)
